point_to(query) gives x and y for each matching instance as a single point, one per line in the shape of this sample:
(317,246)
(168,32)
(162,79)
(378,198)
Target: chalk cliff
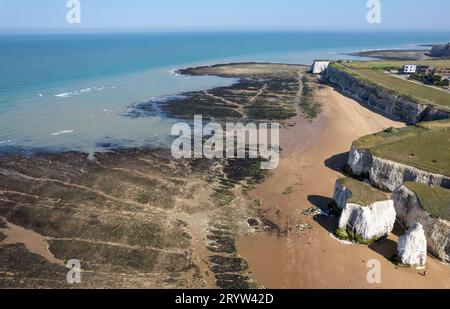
(410,211)
(377,219)
(383,100)
(389,175)
(341,195)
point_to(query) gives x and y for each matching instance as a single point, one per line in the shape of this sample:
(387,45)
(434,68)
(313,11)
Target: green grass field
(425,146)
(374,72)
(434,200)
(381,64)
(362,193)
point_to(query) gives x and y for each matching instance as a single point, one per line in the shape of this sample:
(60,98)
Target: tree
(436,79)
(444,83)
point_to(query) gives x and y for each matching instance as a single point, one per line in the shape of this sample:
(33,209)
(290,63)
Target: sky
(223,15)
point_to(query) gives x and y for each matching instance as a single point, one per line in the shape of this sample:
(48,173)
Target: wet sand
(311,258)
(34,242)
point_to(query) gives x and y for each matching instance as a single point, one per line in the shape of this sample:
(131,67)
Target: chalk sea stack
(367,213)
(368,223)
(412,247)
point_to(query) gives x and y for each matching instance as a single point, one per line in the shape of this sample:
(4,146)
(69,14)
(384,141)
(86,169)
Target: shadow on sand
(388,247)
(319,201)
(385,247)
(337,162)
(329,223)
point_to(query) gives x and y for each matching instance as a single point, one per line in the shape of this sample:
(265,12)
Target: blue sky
(218,15)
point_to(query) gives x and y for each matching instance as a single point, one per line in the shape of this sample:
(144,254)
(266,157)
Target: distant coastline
(415,53)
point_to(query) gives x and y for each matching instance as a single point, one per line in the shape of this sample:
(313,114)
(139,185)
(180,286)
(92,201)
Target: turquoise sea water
(72,92)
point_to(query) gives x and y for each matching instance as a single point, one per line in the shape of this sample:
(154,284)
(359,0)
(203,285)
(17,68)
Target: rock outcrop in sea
(412,247)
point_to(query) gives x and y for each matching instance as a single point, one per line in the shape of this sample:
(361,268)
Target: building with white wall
(318,67)
(409,69)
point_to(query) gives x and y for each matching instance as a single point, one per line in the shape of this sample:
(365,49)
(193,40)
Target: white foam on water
(5,142)
(64,95)
(82,91)
(63,132)
(174,72)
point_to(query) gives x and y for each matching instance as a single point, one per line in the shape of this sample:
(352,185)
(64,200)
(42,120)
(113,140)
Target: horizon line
(149,31)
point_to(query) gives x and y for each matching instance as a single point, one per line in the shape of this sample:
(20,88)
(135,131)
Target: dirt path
(308,168)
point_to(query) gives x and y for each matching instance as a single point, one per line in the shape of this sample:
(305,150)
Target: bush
(444,83)
(392,130)
(419,77)
(354,237)
(341,234)
(436,78)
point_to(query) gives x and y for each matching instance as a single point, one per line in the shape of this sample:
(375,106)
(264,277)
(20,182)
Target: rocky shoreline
(138,217)
(395,54)
(259,94)
(169,223)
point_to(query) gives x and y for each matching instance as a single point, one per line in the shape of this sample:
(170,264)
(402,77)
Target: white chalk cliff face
(360,161)
(319,67)
(412,247)
(380,99)
(369,222)
(389,175)
(341,195)
(437,231)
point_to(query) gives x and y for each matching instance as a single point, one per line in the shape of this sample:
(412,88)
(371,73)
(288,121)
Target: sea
(74,92)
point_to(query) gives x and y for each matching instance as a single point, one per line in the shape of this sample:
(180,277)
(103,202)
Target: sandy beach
(311,258)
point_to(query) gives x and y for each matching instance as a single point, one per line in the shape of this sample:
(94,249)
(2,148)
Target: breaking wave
(83,91)
(5,142)
(63,132)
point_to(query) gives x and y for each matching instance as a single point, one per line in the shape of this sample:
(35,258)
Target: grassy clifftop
(436,201)
(362,194)
(374,72)
(425,146)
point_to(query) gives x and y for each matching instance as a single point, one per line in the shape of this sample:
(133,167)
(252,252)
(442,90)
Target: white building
(318,67)
(409,69)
